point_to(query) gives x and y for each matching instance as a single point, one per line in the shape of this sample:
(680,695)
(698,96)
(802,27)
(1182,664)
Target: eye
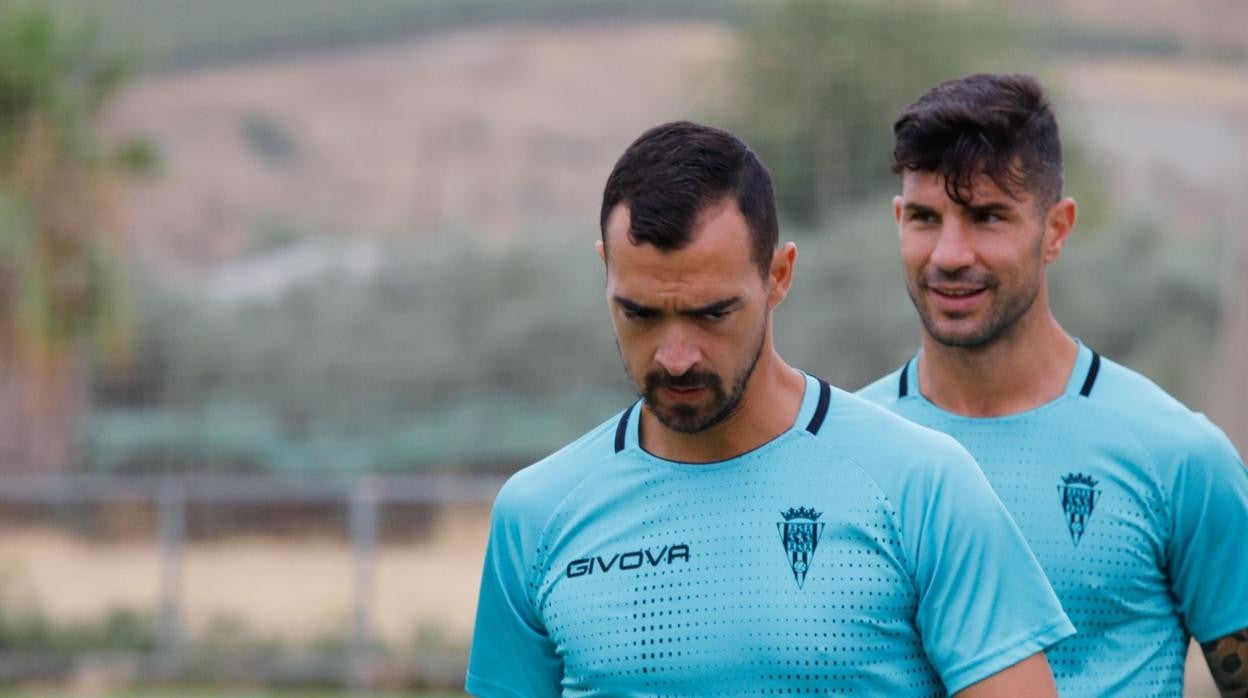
(923,216)
(988,217)
(715,315)
(635,315)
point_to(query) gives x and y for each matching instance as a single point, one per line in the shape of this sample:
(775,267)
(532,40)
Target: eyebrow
(719,306)
(990,207)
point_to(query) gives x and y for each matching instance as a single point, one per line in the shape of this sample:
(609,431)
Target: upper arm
(1030,678)
(1227,657)
(511,655)
(1206,558)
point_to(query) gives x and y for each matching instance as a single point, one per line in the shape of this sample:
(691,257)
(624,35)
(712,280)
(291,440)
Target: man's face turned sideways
(974,271)
(691,323)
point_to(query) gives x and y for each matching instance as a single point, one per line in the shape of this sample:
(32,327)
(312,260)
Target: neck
(768,408)
(1028,366)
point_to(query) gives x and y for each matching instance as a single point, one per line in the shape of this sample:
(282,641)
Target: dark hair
(998,125)
(674,171)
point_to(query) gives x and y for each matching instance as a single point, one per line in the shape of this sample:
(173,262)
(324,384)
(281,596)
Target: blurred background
(288,288)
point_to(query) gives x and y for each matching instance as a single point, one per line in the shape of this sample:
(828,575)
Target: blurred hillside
(497,131)
(361,237)
(494,131)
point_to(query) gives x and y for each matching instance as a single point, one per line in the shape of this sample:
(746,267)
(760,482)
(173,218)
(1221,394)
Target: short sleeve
(984,601)
(1209,506)
(511,653)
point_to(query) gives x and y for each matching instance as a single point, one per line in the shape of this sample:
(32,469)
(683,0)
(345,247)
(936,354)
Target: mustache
(689,379)
(935,276)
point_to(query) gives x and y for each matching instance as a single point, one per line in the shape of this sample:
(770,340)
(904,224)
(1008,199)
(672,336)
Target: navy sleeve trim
(621,429)
(1088,382)
(903,384)
(821,409)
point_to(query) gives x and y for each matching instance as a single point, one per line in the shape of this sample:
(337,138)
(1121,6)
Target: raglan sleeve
(1205,552)
(512,654)
(984,601)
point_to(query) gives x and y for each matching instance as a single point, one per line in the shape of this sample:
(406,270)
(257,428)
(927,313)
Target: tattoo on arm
(1228,661)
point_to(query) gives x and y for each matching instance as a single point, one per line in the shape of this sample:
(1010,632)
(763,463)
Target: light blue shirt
(855,551)
(1135,506)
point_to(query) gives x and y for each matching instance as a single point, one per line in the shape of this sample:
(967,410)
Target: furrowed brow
(634,307)
(713,308)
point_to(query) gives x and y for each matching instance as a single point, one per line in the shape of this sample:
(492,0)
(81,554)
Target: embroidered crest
(800,532)
(1079,497)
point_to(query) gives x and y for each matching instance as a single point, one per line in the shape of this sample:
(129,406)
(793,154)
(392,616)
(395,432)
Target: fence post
(171,507)
(364,522)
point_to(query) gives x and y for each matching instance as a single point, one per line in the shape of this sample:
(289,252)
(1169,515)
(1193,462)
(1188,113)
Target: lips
(683,394)
(958,292)
(956,299)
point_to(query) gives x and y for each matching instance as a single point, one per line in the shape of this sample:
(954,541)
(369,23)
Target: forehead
(715,263)
(928,188)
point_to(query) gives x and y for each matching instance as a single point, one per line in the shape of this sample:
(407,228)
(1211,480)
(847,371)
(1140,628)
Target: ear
(602,251)
(780,277)
(897,204)
(1058,225)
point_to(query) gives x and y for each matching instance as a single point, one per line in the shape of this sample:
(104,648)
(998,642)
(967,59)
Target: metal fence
(174,513)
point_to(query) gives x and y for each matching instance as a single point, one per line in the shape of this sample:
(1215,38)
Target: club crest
(800,532)
(1079,496)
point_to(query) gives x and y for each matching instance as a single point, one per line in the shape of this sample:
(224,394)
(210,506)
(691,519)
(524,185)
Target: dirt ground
(297,589)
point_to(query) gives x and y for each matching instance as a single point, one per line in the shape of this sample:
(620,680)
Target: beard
(692,419)
(1001,316)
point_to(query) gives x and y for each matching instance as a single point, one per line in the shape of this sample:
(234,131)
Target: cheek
(632,344)
(1014,260)
(915,251)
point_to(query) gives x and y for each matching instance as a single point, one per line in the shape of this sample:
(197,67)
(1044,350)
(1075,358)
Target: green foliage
(55,68)
(55,179)
(402,368)
(821,81)
(119,630)
(462,356)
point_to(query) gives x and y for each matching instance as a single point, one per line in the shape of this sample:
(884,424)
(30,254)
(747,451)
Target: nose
(677,353)
(953,249)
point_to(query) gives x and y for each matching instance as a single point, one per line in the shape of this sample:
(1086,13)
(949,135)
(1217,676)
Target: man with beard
(1134,505)
(744,528)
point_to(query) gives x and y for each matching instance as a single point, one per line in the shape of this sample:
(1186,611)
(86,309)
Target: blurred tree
(1230,405)
(60,283)
(819,82)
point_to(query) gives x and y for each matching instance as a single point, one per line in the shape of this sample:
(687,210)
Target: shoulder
(533,492)
(1172,433)
(884,391)
(895,452)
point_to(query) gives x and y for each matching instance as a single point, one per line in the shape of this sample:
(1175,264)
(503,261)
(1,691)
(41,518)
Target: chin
(962,337)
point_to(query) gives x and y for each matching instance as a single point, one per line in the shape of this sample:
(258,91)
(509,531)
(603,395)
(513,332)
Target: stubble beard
(999,323)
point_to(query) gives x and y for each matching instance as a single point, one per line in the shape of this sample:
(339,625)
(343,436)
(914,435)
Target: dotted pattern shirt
(1134,505)
(855,553)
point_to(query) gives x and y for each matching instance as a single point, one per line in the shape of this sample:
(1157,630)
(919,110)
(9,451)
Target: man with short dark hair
(1134,505)
(745,528)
